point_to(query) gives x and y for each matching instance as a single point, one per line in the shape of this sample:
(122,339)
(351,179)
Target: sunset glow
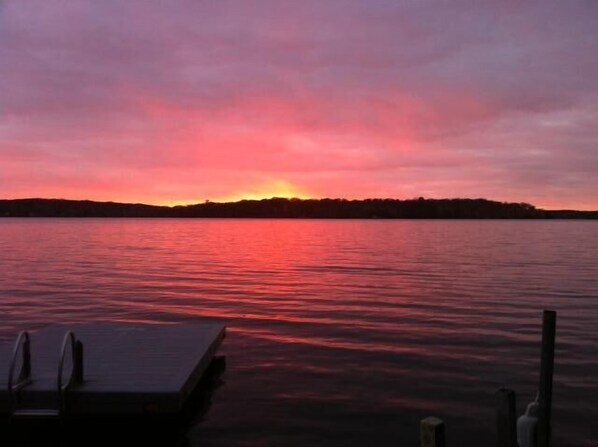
(280,189)
(183,102)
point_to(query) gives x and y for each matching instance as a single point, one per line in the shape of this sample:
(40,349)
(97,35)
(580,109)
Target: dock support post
(431,432)
(506,425)
(546,372)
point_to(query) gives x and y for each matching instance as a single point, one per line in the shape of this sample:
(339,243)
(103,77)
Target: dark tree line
(294,208)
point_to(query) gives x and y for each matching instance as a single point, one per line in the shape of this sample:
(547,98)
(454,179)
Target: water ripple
(349,331)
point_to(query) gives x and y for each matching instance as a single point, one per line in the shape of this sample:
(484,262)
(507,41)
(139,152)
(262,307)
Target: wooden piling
(506,421)
(546,373)
(431,431)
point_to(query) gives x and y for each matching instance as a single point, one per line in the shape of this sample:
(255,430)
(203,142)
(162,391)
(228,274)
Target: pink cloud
(140,101)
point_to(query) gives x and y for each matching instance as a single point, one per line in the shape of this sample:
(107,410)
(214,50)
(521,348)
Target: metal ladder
(24,378)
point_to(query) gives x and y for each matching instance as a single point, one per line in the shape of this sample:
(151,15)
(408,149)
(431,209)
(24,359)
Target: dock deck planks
(128,369)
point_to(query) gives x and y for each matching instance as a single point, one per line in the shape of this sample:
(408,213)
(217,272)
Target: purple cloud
(182,101)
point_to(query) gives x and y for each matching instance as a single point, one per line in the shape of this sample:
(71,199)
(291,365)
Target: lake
(340,332)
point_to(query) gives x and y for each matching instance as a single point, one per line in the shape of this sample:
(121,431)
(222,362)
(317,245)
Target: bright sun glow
(182,202)
(275,188)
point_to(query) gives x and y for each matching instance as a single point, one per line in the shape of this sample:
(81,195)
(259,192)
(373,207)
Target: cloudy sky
(182,101)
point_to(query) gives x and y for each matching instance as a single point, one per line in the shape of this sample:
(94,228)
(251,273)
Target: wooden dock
(127,369)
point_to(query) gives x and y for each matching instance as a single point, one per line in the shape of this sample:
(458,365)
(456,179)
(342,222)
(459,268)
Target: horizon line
(208,201)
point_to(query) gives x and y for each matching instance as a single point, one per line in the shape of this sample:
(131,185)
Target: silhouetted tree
(294,208)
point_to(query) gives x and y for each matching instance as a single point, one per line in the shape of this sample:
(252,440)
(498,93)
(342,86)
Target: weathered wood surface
(129,369)
(432,432)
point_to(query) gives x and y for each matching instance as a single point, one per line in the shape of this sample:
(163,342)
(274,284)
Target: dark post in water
(546,372)
(432,432)
(506,425)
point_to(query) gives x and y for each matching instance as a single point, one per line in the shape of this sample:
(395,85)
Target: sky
(175,102)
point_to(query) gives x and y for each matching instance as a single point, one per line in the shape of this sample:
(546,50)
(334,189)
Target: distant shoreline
(293,209)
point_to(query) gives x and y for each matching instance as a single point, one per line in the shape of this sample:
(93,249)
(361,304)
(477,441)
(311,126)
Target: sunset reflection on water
(339,332)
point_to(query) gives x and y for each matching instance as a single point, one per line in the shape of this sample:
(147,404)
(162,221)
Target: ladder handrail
(76,376)
(24,377)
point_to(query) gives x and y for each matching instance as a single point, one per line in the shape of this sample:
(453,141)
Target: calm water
(339,332)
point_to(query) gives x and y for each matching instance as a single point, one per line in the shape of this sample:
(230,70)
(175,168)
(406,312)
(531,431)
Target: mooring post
(546,372)
(506,425)
(431,432)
